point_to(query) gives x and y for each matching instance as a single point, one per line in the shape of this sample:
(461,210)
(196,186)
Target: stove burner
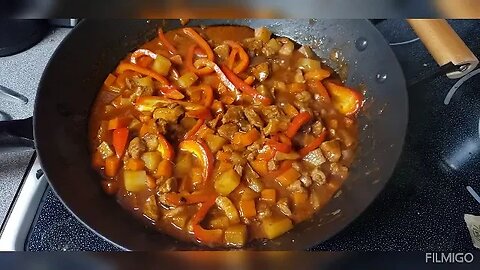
(404,42)
(457,85)
(474,193)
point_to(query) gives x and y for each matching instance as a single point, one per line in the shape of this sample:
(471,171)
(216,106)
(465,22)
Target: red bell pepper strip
(297,122)
(119,140)
(190,135)
(200,150)
(275,143)
(313,145)
(163,39)
(244,87)
(200,41)
(165,148)
(206,236)
(142,52)
(189,62)
(203,113)
(244,59)
(345,100)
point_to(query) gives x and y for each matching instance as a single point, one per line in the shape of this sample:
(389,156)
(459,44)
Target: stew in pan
(224,134)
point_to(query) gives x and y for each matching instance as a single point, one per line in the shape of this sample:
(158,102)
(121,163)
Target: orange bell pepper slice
(313,145)
(165,148)
(297,122)
(345,100)
(163,39)
(244,87)
(142,52)
(247,138)
(231,58)
(279,146)
(286,164)
(319,88)
(200,41)
(192,132)
(244,59)
(200,150)
(119,141)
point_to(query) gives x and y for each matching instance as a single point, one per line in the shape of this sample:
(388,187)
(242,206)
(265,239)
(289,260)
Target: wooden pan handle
(444,45)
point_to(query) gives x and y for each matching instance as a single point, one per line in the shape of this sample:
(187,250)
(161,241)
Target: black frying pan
(79,66)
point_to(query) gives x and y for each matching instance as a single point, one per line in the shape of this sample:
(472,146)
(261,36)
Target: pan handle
(16,135)
(445,45)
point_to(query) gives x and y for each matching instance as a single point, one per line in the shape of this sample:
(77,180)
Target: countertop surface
(21,73)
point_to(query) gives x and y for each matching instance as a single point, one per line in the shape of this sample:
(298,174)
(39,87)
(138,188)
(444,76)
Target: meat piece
(261,71)
(227,131)
(298,77)
(317,128)
(174,212)
(223,51)
(263,210)
(282,205)
(304,97)
(161,125)
(168,186)
(254,147)
(214,122)
(253,45)
(331,150)
(272,112)
(296,187)
(274,126)
(239,169)
(152,141)
(318,176)
(233,114)
(136,148)
(253,179)
(306,180)
(237,158)
(253,117)
(169,114)
(105,150)
(315,157)
(244,125)
(339,170)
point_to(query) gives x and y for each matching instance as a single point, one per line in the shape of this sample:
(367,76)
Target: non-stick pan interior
(79,66)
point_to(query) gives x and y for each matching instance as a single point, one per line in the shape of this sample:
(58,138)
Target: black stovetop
(423,204)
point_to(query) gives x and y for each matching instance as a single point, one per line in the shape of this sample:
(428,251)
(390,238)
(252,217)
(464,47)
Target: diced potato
(145,82)
(135,180)
(236,235)
(274,227)
(150,209)
(269,195)
(161,65)
(287,48)
(274,45)
(306,51)
(168,114)
(215,142)
(187,79)
(288,177)
(227,206)
(180,220)
(219,222)
(152,159)
(227,182)
(197,176)
(105,150)
(247,208)
(263,34)
(299,198)
(317,74)
(308,64)
(184,164)
(135,124)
